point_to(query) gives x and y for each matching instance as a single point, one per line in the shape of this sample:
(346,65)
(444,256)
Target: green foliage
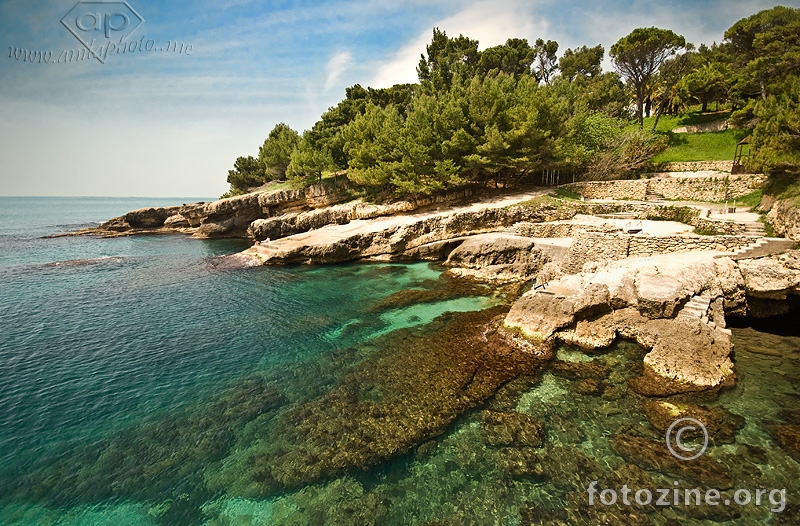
(515,58)
(776,138)
(307,164)
(583,61)
(371,144)
(504,113)
(448,59)
(626,152)
(639,56)
(247,173)
(566,193)
(276,152)
(545,62)
(765,49)
(704,85)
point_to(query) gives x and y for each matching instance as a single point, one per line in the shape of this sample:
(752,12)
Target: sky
(156,122)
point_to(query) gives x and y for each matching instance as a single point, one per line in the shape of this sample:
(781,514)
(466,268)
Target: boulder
(147,217)
(766,278)
(659,296)
(497,257)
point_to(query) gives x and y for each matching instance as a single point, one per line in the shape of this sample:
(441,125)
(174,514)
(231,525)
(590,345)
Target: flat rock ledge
(673,306)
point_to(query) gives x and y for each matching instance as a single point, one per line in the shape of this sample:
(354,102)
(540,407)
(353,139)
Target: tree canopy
(507,112)
(640,55)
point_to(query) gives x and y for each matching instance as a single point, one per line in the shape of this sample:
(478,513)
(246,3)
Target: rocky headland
(615,266)
(611,267)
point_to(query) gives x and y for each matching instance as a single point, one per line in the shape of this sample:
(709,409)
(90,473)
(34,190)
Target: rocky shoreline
(596,277)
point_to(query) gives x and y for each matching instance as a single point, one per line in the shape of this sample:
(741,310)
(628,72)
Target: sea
(146,381)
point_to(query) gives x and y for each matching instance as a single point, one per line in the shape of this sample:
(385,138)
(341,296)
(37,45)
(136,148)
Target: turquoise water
(144,382)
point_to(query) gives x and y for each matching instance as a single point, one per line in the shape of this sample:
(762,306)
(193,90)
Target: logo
(102,23)
(689,425)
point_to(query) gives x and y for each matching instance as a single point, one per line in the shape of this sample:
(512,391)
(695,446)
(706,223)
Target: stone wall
(676,188)
(720,228)
(635,189)
(545,230)
(696,166)
(597,246)
(706,188)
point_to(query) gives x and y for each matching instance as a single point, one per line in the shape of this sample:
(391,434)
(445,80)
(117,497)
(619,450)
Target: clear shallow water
(149,382)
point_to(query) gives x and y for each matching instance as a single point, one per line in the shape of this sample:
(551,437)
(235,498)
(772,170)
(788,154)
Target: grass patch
(711,146)
(751,200)
(691,118)
(566,193)
(541,201)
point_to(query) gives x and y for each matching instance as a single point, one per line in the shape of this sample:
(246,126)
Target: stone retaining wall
(720,228)
(596,246)
(706,188)
(676,188)
(540,230)
(632,190)
(696,166)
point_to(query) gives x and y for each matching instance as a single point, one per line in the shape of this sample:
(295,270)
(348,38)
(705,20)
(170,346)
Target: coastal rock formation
(784,216)
(673,306)
(497,257)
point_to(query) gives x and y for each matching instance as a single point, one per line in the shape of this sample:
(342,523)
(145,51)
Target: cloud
(489,22)
(335,67)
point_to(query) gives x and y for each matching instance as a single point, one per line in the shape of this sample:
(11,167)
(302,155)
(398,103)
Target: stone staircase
(755,228)
(763,246)
(696,307)
(653,197)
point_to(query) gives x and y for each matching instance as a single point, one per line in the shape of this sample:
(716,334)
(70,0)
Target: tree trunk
(705,107)
(640,106)
(659,111)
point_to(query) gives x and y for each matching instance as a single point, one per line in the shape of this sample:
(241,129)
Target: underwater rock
(521,463)
(720,423)
(788,438)
(579,370)
(511,429)
(589,386)
(390,402)
(654,455)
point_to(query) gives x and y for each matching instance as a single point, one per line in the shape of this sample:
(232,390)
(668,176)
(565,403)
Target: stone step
(696,307)
(765,247)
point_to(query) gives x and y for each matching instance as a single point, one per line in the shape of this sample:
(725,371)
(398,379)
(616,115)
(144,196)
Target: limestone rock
(499,257)
(147,217)
(659,296)
(765,278)
(688,356)
(785,219)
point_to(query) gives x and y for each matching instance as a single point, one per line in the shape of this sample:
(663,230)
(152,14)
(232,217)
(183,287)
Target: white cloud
(489,22)
(335,67)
